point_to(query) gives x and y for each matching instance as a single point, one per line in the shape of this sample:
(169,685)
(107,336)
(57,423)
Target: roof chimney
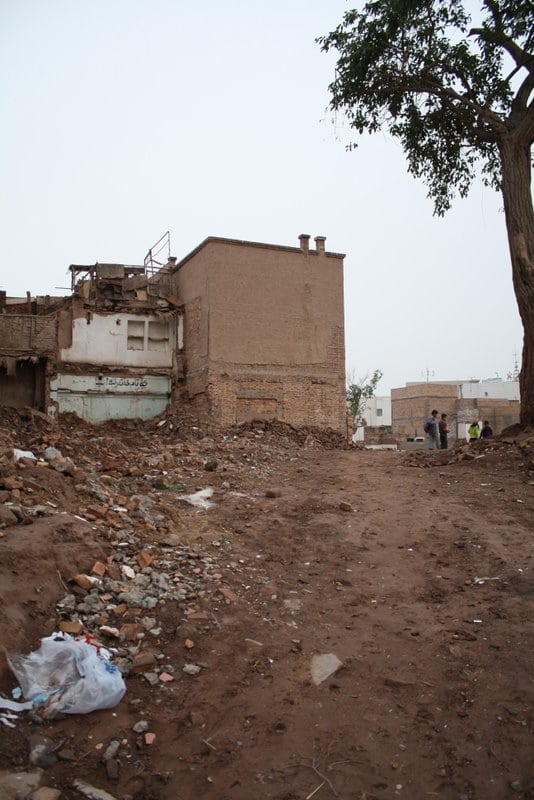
(319,243)
(304,240)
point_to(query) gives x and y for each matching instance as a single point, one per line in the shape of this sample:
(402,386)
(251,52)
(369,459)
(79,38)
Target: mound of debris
(515,447)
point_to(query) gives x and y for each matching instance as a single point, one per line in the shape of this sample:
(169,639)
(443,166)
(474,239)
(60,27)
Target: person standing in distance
(443,431)
(487,431)
(473,432)
(431,430)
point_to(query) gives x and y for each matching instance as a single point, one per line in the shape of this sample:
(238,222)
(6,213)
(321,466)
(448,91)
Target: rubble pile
(157,564)
(518,448)
(120,602)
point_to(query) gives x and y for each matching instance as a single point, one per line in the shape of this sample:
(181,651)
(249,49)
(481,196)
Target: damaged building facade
(28,346)
(111,350)
(240,330)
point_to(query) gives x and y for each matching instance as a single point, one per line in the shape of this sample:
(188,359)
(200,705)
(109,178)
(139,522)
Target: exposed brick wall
(27,335)
(296,399)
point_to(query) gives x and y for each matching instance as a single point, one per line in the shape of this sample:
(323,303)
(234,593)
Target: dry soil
(415,570)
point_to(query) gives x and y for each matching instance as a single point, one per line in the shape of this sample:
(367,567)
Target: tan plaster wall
(289,305)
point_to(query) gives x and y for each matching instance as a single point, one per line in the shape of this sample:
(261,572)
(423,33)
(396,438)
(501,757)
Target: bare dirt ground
(415,570)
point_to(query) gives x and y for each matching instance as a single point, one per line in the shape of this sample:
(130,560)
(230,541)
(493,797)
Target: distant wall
(411,405)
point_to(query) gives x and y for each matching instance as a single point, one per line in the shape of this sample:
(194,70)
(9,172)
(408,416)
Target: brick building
(240,329)
(463,401)
(264,331)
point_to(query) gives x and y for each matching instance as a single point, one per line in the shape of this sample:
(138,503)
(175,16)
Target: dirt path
(374,559)
(434,693)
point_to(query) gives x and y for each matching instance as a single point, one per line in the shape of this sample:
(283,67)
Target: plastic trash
(18,454)
(68,676)
(199,499)
(7,706)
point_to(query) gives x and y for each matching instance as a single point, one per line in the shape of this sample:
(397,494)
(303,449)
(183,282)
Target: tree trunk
(519,213)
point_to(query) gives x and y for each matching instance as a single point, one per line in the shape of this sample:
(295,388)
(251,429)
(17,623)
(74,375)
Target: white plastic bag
(18,454)
(68,676)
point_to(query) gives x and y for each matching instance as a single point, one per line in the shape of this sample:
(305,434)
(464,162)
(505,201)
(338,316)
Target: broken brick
(227,594)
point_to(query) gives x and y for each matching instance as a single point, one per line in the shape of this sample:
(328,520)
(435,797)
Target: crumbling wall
(299,400)
(22,382)
(27,334)
(27,356)
(121,340)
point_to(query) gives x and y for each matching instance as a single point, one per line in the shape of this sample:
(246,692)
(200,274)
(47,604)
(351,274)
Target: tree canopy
(458,93)
(437,83)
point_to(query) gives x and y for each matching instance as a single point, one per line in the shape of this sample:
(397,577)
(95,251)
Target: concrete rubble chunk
(92,792)
(323,666)
(42,751)
(51,453)
(46,793)
(111,750)
(19,785)
(191,669)
(65,465)
(7,517)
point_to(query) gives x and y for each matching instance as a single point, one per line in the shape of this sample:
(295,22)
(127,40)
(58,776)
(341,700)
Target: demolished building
(239,329)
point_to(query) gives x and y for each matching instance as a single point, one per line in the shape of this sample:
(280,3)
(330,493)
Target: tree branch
(525,129)
(499,36)
(444,92)
(520,101)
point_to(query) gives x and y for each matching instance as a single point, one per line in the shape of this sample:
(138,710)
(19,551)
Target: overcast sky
(126,118)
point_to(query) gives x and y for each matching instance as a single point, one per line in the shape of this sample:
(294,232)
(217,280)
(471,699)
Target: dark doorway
(22,383)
